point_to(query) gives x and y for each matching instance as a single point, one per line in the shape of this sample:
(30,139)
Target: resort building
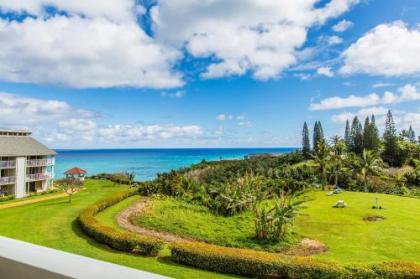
(26,166)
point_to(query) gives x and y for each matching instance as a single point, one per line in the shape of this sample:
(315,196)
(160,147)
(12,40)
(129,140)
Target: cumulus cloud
(60,123)
(83,52)
(406,93)
(325,71)
(342,26)
(241,36)
(388,49)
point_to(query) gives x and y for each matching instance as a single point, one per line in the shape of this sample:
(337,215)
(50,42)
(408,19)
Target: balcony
(7,164)
(7,180)
(38,176)
(39,162)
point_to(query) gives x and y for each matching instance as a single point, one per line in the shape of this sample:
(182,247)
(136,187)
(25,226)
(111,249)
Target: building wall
(20,177)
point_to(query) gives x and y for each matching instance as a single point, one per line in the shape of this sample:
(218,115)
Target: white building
(26,166)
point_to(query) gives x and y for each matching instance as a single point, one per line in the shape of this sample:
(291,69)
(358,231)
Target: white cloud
(406,93)
(61,124)
(334,40)
(381,84)
(402,119)
(241,36)
(82,52)
(388,49)
(325,71)
(115,10)
(342,26)
(221,117)
(177,94)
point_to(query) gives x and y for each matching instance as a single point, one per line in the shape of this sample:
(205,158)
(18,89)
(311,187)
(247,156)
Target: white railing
(21,260)
(39,162)
(7,180)
(7,164)
(38,176)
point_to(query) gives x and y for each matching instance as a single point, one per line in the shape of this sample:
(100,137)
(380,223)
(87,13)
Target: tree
(338,156)
(390,152)
(322,157)
(318,134)
(70,186)
(369,163)
(367,135)
(306,147)
(411,135)
(374,133)
(356,135)
(347,137)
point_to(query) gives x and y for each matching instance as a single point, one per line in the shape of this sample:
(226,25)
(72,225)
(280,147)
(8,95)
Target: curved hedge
(119,240)
(257,263)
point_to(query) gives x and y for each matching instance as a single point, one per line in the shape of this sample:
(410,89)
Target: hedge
(119,240)
(257,263)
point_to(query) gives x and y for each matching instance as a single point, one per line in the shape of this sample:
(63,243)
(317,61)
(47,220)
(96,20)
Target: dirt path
(306,247)
(137,208)
(33,200)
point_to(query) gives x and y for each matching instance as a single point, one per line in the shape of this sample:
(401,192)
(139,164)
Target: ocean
(147,163)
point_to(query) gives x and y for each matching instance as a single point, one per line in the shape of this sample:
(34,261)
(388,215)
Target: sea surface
(147,163)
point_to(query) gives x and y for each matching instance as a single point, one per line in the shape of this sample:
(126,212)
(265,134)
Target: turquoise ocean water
(146,163)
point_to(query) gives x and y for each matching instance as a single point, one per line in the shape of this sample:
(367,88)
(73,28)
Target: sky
(204,73)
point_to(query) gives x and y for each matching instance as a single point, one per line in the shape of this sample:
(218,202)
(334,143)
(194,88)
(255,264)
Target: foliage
(126,178)
(272,224)
(7,198)
(318,134)
(306,146)
(368,164)
(262,264)
(234,197)
(356,136)
(390,153)
(119,240)
(69,186)
(322,157)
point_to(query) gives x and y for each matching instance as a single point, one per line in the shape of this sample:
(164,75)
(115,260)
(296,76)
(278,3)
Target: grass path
(52,223)
(32,200)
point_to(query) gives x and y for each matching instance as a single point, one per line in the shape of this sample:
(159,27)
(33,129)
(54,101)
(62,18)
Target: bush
(259,264)
(119,240)
(7,198)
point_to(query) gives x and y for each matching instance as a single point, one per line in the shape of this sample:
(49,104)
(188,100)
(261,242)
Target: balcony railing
(7,180)
(39,162)
(7,164)
(38,176)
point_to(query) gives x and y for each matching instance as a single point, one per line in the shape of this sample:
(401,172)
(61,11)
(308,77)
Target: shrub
(7,198)
(119,240)
(261,264)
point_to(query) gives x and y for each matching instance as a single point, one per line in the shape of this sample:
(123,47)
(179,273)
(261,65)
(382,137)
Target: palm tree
(322,157)
(338,156)
(369,163)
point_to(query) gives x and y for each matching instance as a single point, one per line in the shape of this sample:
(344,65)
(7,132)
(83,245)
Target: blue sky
(181,74)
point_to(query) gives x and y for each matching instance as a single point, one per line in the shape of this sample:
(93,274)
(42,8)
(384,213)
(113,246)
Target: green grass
(52,224)
(349,238)
(197,222)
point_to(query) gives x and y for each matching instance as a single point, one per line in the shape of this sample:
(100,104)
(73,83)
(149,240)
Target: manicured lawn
(185,219)
(52,224)
(349,237)
(353,240)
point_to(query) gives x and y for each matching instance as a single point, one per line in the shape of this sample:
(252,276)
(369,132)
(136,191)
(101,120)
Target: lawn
(195,221)
(52,224)
(350,239)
